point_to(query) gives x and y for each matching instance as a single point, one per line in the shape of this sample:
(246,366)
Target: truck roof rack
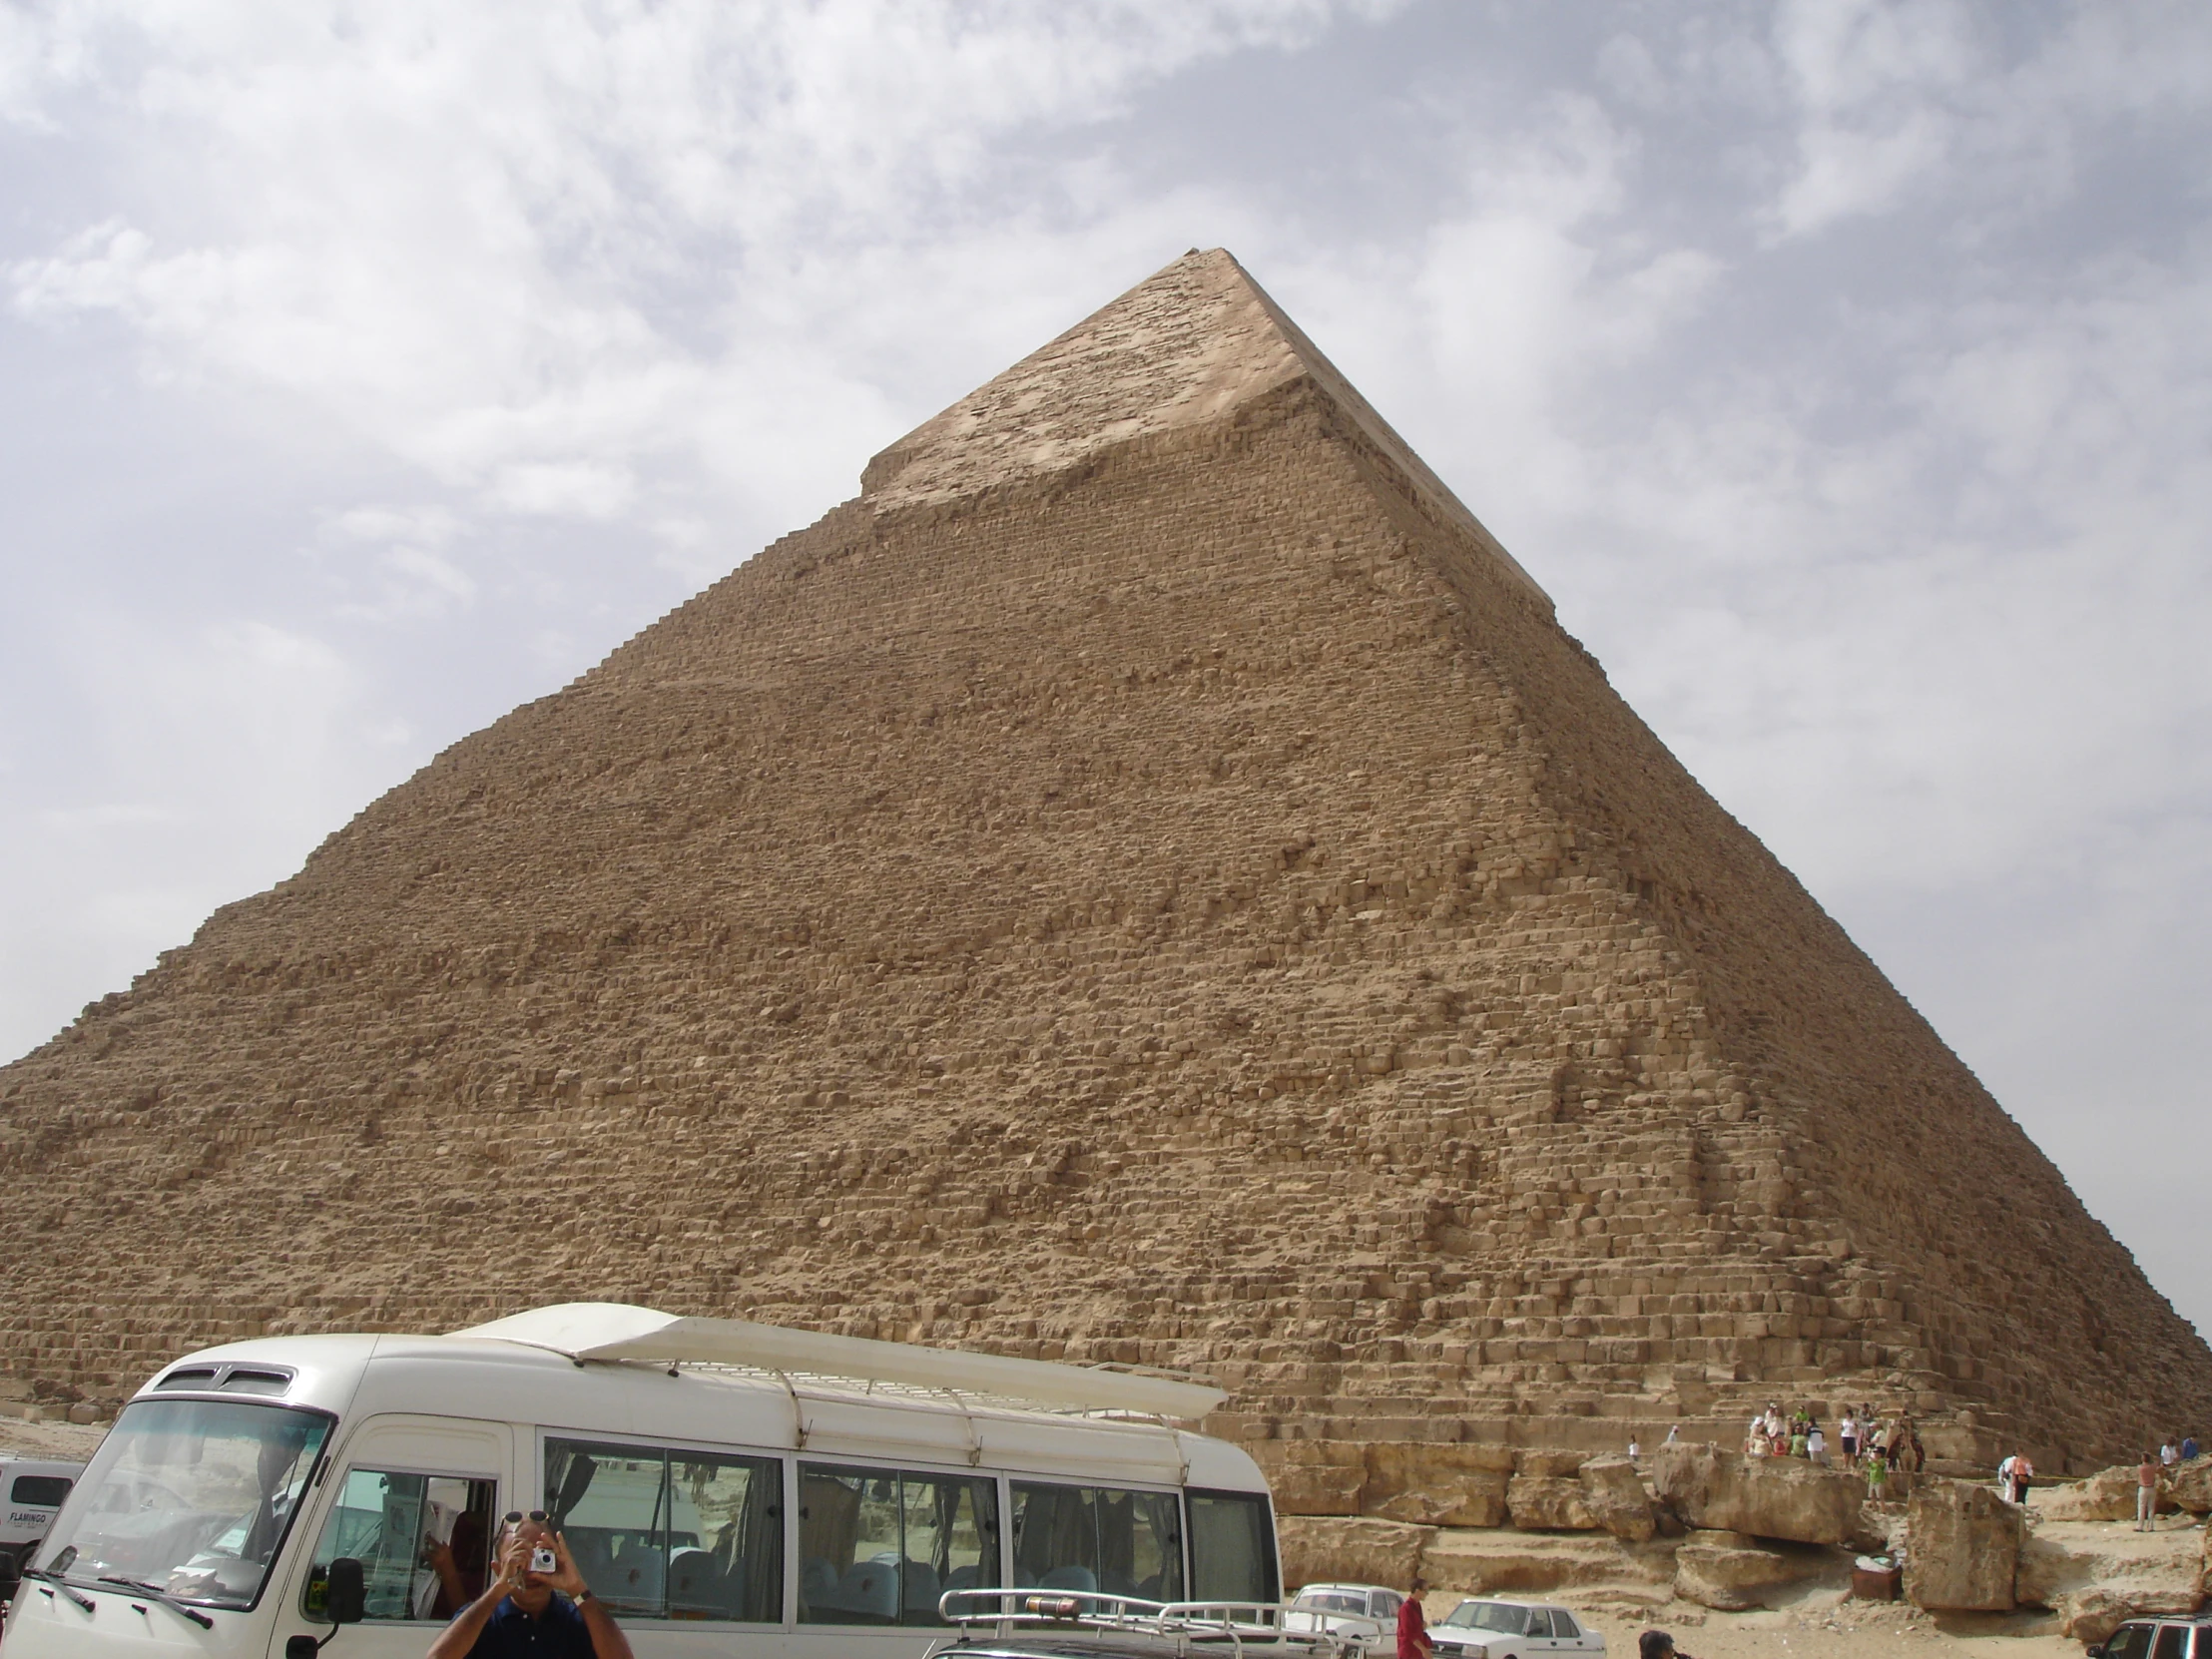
(584,1331)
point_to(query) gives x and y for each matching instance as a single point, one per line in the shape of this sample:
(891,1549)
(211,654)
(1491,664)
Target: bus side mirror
(344,1596)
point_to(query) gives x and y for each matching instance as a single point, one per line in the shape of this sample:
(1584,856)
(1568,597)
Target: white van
(33,1489)
(726,1488)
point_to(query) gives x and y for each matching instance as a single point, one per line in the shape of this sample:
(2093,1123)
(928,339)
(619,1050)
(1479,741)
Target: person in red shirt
(1413,1626)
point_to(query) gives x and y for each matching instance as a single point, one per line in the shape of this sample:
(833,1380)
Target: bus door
(415,1501)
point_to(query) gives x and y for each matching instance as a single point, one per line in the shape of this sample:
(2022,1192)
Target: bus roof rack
(619,1331)
(1205,1627)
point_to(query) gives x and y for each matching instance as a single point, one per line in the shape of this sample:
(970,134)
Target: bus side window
(882,1546)
(422,1541)
(1105,1539)
(671,1533)
(1232,1547)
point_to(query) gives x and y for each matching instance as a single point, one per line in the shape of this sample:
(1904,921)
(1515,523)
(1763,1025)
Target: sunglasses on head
(515,1517)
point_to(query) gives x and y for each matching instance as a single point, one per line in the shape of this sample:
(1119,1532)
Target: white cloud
(532,248)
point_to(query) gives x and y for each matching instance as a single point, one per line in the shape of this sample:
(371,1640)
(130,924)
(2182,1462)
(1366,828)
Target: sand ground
(65,1442)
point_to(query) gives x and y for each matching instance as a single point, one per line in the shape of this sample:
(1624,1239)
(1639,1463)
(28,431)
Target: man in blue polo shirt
(519,1615)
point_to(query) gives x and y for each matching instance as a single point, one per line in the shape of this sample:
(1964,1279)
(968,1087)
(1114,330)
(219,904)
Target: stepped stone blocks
(1149,880)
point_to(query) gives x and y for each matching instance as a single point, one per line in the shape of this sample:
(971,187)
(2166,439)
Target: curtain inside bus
(1232,1547)
(666,1532)
(1102,1539)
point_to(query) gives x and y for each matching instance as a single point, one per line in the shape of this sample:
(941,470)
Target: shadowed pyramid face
(1149,880)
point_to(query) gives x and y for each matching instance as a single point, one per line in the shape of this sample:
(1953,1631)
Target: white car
(1362,1616)
(1484,1627)
(33,1491)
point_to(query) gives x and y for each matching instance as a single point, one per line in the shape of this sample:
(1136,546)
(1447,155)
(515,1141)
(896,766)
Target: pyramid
(1149,880)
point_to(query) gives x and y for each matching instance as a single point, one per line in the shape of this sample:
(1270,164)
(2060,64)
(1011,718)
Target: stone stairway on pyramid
(1150,882)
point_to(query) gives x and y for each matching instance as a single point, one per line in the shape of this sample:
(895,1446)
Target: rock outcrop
(1767,1497)
(1148,880)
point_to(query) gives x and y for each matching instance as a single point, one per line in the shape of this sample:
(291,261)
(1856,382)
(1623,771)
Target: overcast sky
(1843,371)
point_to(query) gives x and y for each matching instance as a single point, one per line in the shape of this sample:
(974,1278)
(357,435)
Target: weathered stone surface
(1314,1478)
(1549,1504)
(1962,1548)
(2092,1614)
(1503,1561)
(2108,1495)
(1550,1463)
(1439,1483)
(2190,1485)
(1324,1548)
(1148,850)
(1767,1497)
(2046,1569)
(1731,1572)
(1614,1494)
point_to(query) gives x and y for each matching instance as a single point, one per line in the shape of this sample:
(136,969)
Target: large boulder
(1769,1497)
(1962,1548)
(2190,1485)
(1614,1492)
(1730,1572)
(2107,1495)
(1438,1483)
(1549,1504)
(1321,1549)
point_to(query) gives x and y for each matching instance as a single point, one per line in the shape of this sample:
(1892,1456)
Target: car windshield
(189,1497)
(1500,1616)
(1331,1601)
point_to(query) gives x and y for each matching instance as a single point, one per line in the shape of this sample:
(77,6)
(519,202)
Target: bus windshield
(188,1498)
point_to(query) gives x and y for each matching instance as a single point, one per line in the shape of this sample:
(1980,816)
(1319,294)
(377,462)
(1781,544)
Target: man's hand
(514,1564)
(564,1578)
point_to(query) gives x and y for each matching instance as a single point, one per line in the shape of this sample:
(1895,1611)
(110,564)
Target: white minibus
(726,1488)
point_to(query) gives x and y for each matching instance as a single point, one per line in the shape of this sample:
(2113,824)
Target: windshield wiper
(162,1596)
(85,1602)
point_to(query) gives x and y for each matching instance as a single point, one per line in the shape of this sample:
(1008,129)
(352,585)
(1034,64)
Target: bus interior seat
(588,1549)
(637,1577)
(1070,1578)
(695,1583)
(962,1579)
(870,1588)
(817,1583)
(920,1587)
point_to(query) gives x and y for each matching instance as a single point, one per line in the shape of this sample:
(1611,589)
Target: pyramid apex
(1184,346)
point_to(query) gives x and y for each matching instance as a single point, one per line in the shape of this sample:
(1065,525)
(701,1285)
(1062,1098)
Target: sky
(1842,369)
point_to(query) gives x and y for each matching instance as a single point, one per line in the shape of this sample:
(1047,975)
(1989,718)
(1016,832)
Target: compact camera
(543,1560)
